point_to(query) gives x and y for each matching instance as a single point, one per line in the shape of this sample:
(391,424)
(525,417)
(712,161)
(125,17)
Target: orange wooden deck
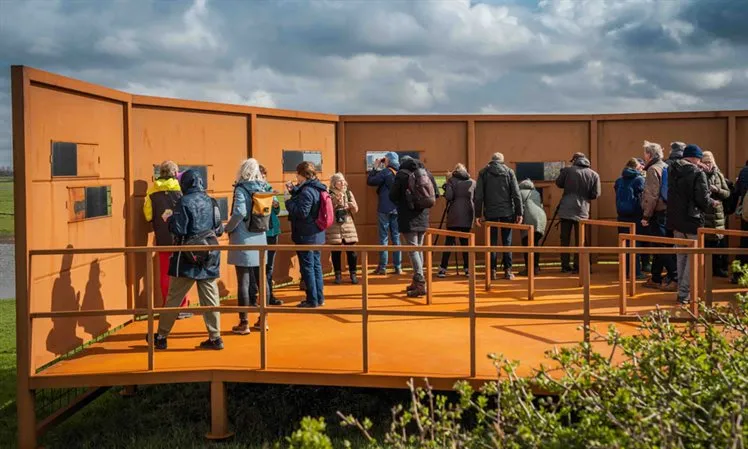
(327,350)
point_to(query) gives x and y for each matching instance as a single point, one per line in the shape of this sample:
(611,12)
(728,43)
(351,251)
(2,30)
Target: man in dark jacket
(688,199)
(741,187)
(581,185)
(412,222)
(196,221)
(382,176)
(497,199)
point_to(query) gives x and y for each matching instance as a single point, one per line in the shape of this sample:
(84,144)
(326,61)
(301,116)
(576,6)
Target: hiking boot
(442,273)
(410,287)
(212,343)
(354,278)
(273,301)
(257,324)
(418,290)
(338,278)
(398,270)
(670,286)
(652,284)
(241,329)
(684,300)
(306,305)
(508,275)
(380,270)
(159,342)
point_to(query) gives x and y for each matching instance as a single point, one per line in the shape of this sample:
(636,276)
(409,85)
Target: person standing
(581,185)
(414,192)
(343,229)
(628,189)
(272,235)
(714,216)
(382,176)
(304,200)
(654,218)
(497,199)
(688,201)
(160,201)
(458,191)
(196,221)
(741,187)
(534,215)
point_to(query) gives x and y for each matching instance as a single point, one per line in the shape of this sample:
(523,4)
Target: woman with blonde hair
(249,180)
(714,216)
(343,229)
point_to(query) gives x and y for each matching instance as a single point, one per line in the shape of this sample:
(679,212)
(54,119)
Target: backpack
(627,202)
(258,218)
(325,213)
(731,203)
(208,237)
(420,193)
(663,184)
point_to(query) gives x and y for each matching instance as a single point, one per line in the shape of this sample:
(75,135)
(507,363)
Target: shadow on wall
(63,336)
(140,188)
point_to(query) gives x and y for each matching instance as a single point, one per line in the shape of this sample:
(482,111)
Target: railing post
(531,264)
(622,276)
(365,310)
(429,282)
(708,295)
(471,308)
(487,242)
(703,274)
(584,271)
(694,275)
(580,242)
(219,421)
(632,262)
(149,300)
(263,314)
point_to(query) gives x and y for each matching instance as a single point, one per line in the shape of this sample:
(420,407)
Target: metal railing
(530,257)
(706,262)
(610,224)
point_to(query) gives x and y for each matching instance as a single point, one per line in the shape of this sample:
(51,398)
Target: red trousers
(163,267)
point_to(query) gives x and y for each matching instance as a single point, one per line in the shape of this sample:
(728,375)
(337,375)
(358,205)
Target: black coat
(688,197)
(195,213)
(459,193)
(497,192)
(409,220)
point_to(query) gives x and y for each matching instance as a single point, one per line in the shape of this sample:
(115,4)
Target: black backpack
(731,203)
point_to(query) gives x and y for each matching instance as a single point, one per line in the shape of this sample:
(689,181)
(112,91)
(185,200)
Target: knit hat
(676,150)
(693,150)
(393,157)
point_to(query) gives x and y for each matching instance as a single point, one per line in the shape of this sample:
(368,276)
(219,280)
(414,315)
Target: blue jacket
(383,180)
(629,188)
(241,209)
(303,207)
(742,185)
(195,213)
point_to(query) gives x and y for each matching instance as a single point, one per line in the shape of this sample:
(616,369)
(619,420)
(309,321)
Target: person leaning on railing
(196,221)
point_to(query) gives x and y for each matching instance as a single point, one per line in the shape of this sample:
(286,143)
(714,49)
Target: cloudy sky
(392,56)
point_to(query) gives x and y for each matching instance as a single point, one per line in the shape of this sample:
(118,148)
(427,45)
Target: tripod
(436,240)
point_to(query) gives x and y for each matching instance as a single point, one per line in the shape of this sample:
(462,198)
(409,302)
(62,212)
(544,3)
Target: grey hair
(460,167)
(249,171)
(653,149)
(338,177)
(497,157)
(709,156)
(168,169)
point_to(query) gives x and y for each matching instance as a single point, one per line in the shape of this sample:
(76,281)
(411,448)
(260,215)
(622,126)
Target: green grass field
(6,207)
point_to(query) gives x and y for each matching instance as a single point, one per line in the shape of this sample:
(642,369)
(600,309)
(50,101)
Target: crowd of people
(182,213)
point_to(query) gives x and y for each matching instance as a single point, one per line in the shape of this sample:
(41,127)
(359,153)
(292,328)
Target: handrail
(429,254)
(610,224)
(706,262)
(530,258)
(623,238)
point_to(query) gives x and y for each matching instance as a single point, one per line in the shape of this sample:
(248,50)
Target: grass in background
(6,206)
(7,371)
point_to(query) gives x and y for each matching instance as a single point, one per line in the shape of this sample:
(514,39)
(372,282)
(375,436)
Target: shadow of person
(223,291)
(62,337)
(93,300)
(139,238)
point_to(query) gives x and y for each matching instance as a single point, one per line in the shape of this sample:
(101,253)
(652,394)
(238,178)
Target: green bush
(668,386)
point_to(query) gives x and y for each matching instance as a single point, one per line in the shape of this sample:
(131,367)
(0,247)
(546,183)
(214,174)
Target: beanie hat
(676,150)
(394,159)
(693,150)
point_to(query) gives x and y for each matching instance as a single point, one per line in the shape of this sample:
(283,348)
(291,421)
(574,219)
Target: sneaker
(273,301)
(241,329)
(684,300)
(641,277)
(354,278)
(652,284)
(466,272)
(671,286)
(184,315)
(306,305)
(418,290)
(257,324)
(159,342)
(442,273)
(338,278)
(398,270)
(380,271)
(212,343)
(508,275)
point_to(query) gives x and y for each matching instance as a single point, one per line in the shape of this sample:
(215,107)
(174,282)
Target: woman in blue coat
(249,180)
(303,203)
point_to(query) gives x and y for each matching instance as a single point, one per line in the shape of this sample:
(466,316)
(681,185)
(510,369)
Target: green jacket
(275,226)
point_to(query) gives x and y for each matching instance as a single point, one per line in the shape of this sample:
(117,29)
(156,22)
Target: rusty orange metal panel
(741,143)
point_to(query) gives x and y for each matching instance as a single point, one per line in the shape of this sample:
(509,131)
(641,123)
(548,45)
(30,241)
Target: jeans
(566,227)
(638,258)
(207,292)
(525,240)
(311,273)
(450,242)
(416,257)
(657,228)
(352,257)
(387,226)
(269,265)
(247,279)
(506,240)
(684,266)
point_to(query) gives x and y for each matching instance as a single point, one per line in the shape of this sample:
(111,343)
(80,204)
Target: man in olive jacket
(497,199)
(581,185)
